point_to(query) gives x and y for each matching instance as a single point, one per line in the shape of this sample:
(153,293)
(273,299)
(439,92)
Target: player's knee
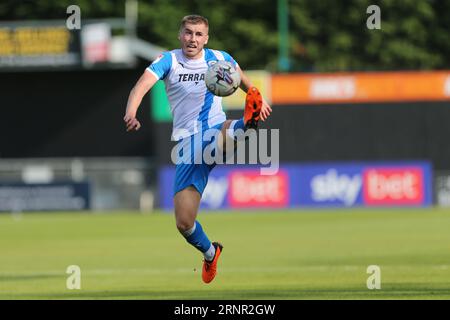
(184,226)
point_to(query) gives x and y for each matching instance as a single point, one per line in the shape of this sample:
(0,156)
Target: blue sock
(239,124)
(198,238)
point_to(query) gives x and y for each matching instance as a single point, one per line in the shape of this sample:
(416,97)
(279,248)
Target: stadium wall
(382,131)
(79,113)
(71,113)
(75,113)
(352,132)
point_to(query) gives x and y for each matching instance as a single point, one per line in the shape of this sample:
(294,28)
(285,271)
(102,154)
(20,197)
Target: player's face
(193,38)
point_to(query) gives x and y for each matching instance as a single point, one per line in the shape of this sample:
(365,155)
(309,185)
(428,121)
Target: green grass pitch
(308,254)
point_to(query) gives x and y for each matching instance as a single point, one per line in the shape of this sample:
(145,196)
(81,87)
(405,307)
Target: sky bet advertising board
(333,184)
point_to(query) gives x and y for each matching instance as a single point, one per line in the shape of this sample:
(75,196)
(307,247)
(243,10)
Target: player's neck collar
(196,59)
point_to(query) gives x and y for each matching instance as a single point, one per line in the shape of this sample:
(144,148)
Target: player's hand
(131,123)
(265,110)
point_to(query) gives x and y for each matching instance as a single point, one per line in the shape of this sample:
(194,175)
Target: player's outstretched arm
(245,85)
(143,85)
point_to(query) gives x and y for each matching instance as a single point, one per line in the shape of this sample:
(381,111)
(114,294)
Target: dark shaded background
(71,113)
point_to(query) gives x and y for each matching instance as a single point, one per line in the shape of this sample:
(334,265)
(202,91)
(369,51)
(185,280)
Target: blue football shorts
(193,173)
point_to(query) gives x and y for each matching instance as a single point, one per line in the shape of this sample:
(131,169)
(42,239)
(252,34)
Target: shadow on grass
(26,277)
(397,292)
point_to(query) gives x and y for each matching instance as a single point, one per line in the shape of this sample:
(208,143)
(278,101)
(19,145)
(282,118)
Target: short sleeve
(229,58)
(161,66)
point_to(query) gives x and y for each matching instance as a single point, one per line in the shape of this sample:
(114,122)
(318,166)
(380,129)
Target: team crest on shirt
(211,62)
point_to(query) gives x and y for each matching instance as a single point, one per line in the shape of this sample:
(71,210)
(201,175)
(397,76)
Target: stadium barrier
(19,197)
(333,184)
(442,188)
(61,184)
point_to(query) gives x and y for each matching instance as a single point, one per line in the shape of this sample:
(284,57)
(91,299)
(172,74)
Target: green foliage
(324,35)
(341,41)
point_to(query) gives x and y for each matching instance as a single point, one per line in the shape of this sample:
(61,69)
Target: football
(222,78)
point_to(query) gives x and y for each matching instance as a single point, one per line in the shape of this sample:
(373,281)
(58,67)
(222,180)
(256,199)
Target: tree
(324,35)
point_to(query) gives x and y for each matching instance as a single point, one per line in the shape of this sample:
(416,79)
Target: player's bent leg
(234,129)
(187,202)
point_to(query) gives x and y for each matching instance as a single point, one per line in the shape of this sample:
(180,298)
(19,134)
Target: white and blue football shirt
(191,104)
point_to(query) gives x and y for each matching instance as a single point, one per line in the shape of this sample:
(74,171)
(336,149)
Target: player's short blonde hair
(193,19)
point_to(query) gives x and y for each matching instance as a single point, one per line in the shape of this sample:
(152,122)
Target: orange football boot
(253,103)
(210,268)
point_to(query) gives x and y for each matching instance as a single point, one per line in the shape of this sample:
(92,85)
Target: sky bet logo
(251,189)
(365,185)
(334,187)
(392,186)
